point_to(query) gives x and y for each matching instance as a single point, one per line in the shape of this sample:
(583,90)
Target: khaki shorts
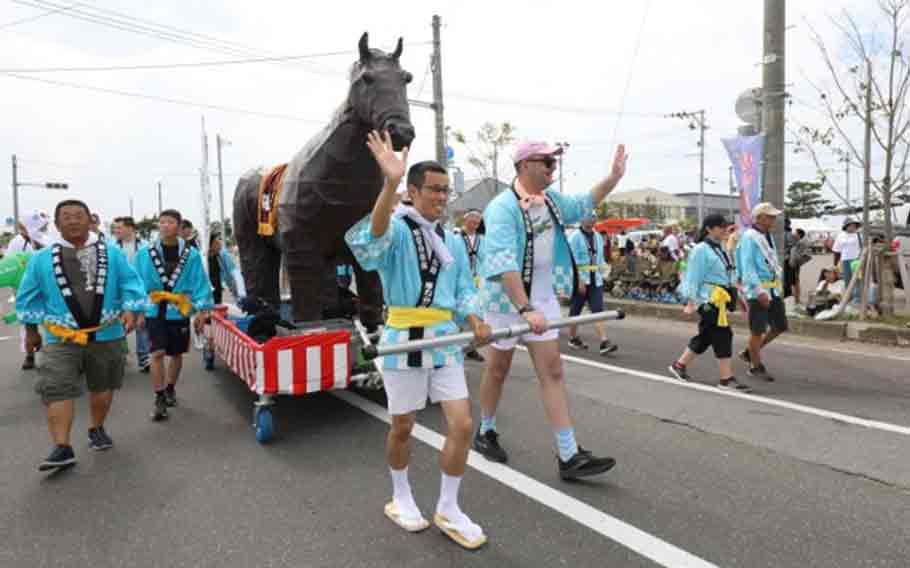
(64,364)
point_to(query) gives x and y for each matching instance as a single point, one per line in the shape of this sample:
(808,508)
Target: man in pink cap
(526,262)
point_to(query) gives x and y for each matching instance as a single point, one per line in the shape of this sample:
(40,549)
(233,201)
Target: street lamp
(17,184)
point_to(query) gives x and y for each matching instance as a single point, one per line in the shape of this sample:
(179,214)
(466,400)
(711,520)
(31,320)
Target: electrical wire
(37,17)
(546,106)
(168,100)
(622,103)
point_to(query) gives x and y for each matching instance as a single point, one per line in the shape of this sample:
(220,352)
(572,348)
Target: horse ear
(364,46)
(398,49)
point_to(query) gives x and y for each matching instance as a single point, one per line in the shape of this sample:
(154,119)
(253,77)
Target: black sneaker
(488,446)
(584,464)
(473,355)
(145,369)
(577,343)
(98,440)
(679,371)
(170,397)
(761,373)
(607,347)
(160,411)
(733,385)
(745,357)
(29,362)
(61,457)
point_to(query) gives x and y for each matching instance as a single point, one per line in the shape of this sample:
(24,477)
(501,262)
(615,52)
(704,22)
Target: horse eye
(407,77)
(368,78)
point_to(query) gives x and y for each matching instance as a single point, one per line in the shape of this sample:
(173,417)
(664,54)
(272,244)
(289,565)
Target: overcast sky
(556,70)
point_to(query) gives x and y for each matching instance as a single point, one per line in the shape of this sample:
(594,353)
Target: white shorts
(549,308)
(407,389)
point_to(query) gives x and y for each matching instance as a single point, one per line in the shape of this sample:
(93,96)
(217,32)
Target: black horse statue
(330,184)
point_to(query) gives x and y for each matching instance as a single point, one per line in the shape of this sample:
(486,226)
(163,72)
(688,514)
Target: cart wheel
(265,426)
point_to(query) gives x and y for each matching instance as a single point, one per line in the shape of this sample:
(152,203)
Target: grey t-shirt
(80,266)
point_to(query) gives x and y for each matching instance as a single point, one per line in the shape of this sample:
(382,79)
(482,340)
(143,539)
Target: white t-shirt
(621,241)
(847,244)
(835,288)
(672,244)
(544,242)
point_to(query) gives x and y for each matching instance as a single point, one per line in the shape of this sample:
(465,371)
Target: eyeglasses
(443,189)
(548,162)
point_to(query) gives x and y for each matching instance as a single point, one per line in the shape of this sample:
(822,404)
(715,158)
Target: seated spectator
(828,293)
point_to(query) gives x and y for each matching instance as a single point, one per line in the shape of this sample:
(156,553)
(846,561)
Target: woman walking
(710,286)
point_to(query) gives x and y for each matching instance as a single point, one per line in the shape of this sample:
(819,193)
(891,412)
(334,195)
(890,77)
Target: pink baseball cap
(525,150)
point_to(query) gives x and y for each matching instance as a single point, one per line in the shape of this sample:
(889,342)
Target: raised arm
(393,169)
(618,170)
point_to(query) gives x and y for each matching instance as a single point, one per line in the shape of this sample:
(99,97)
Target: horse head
(378,93)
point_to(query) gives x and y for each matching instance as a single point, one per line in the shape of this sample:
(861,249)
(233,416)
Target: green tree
(487,152)
(804,200)
(146,226)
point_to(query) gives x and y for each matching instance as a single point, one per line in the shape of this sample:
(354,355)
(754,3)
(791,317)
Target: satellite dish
(748,107)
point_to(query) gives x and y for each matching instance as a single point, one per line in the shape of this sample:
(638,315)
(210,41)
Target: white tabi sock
(448,508)
(401,494)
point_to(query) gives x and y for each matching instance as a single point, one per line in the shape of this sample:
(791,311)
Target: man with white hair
(759,269)
(470,241)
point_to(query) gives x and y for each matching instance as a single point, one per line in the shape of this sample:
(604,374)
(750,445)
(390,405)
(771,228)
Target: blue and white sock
(565,443)
(487,423)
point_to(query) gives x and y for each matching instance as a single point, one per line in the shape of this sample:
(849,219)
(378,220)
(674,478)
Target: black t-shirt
(171,254)
(215,271)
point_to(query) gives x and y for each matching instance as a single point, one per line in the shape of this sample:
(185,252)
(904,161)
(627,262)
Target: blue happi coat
(704,270)
(193,280)
(753,268)
(579,245)
(504,246)
(462,243)
(394,256)
(40,298)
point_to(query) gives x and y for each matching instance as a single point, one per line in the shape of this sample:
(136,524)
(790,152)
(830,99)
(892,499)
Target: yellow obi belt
(70,335)
(404,318)
(179,301)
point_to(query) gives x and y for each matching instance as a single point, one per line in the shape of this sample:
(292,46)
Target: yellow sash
(590,267)
(70,335)
(719,299)
(403,318)
(772,285)
(180,301)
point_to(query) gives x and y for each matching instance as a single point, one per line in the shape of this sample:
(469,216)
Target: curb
(863,332)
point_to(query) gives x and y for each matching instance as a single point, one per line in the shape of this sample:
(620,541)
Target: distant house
(478,193)
(658,206)
(724,204)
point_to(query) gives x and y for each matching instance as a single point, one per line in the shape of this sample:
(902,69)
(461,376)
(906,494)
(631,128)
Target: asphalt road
(703,478)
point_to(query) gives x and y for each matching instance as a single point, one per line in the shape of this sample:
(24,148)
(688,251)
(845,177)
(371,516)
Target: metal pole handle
(371,352)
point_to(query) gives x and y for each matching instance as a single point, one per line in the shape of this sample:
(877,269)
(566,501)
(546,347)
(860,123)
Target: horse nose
(402,134)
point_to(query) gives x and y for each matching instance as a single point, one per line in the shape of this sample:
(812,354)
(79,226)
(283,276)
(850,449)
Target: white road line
(643,543)
(849,419)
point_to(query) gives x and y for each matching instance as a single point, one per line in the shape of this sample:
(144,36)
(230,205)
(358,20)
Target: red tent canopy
(613,226)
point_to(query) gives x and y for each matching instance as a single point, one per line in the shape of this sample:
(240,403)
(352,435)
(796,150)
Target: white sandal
(452,532)
(410,525)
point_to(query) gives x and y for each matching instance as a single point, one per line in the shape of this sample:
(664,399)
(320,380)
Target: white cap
(765,209)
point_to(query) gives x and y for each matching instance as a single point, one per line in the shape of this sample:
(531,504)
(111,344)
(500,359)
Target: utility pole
(562,146)
(701,166)
(697,120)
(773,92)
(15,196)
(160,208)
(205,191)
(436,67)
(866,266)
(219,142)
(131,207)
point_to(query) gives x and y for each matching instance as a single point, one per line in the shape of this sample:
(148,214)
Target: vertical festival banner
(746,154)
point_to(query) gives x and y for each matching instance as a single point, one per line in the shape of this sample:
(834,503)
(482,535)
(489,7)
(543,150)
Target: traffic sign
(450,152)
(52,185)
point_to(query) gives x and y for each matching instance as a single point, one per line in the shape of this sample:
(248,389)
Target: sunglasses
(548,162)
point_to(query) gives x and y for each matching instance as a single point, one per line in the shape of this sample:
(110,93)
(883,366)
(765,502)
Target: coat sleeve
(574,208)
(31,305)
(372,252)
(201,287)
(748,259)
(579,248)
(466,301)
(133,297)
(695,274)
(498,246)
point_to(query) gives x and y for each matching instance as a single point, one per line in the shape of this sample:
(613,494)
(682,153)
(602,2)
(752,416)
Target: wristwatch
(525,309)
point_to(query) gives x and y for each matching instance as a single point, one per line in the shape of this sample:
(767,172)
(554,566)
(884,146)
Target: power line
(277,58)
(166,99)
(548,106)
(37,17)
(622,104)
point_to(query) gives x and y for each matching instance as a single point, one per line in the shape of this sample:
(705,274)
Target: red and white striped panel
(285,365)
